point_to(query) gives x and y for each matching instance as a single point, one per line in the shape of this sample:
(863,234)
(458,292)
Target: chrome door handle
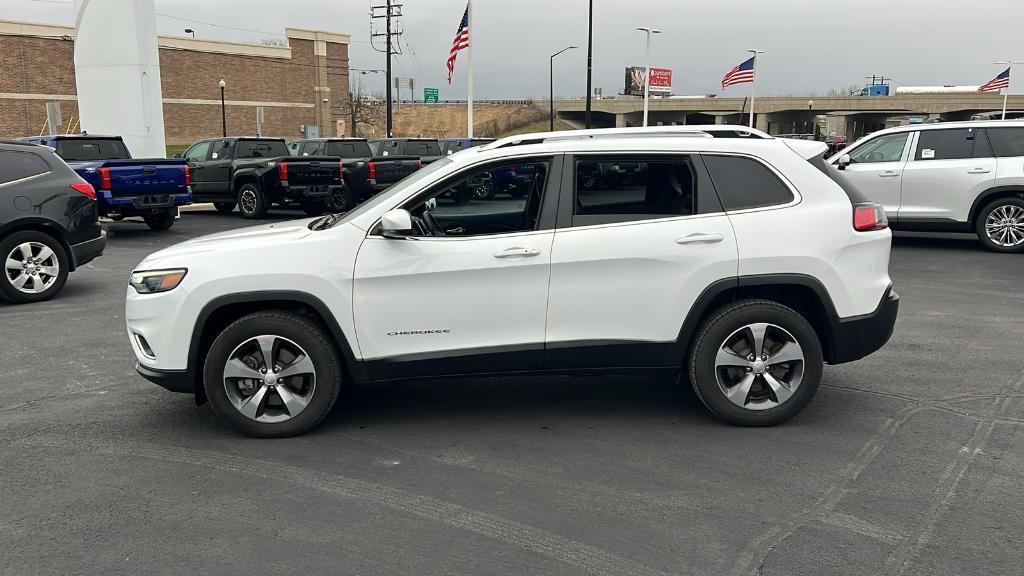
(517,252)
(978,171)
(699,238)
(889,174)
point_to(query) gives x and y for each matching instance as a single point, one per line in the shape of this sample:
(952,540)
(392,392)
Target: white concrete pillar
(117,72)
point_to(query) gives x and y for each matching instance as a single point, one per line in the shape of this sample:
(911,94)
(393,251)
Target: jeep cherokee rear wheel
(272,374)
(756,363)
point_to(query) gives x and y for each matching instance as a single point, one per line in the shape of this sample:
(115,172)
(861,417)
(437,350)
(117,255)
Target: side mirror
(396,224)
(843,162)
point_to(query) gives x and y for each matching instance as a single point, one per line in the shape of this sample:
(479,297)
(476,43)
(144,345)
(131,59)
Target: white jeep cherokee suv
(714,251)
(949,177)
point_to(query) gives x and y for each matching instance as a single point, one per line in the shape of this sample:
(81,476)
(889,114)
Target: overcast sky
(810,45)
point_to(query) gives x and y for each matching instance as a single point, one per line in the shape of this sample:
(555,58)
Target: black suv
(49,222)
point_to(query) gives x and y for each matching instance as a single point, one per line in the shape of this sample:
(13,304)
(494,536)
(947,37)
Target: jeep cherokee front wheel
(756,363)
(272,374)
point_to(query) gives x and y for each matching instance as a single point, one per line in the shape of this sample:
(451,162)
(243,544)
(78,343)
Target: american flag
(742,74)
(461,41)
(998,83)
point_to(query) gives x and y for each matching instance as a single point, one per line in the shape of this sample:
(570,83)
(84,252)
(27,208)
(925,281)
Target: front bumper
(174,380)
(85,252)
(855,338)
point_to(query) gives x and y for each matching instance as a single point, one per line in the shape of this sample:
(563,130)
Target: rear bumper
(857,337)
(174,380)
(131,205)
(313,191)
(85,252)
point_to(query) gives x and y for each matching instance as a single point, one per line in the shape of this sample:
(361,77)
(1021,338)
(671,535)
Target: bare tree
(361,110)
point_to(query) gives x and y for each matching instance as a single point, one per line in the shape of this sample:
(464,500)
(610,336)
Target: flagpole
(469,65)
(1006,95)
(1006,91)
(753,83)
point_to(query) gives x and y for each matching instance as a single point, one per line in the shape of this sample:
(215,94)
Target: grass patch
(540,126)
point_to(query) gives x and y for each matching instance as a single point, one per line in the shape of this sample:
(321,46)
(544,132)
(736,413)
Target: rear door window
(744,183)
(16,165)
(950,144)
(625,189)
(422,148)
(1007,142)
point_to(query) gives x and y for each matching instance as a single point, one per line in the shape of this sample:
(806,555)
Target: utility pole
(390,11)
(590,58)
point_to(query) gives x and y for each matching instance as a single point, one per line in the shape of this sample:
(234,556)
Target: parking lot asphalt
(910,461)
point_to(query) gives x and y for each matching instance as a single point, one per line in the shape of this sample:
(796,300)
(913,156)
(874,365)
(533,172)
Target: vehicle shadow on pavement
(964,242)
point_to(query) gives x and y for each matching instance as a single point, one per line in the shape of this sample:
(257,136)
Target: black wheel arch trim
(987,196)
(355,367)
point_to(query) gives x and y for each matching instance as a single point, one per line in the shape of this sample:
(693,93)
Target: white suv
(714,251)
(951,177)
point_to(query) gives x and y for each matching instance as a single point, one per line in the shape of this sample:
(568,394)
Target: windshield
(400,188)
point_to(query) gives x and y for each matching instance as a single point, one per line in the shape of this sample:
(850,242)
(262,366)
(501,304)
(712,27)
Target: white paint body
(935,189)
(631,281)
(117,73)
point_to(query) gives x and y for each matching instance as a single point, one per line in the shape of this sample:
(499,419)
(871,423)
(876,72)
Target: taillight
(104,178)
(869,216)
(372,167)
(341,170)
(283,169)
(188,176)
(84,188)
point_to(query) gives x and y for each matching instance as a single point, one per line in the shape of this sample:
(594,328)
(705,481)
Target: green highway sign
(430,94)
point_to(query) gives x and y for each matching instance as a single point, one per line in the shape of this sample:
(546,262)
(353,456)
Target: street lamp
(810,111)
(647,68)
(551,84)
(223,112)
(191,31)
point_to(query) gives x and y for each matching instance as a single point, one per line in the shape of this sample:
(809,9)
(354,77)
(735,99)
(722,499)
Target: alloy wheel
(1004,225)
(269,379)
(760,366)
(247,201)
(32,267)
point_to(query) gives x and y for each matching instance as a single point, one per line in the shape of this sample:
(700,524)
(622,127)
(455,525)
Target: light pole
(223,112)
(590,58)
(810,112)
(1006,94)
(191,31)
(551,85)
(753,82)
(647,68)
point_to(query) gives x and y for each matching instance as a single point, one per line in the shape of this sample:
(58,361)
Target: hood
(239,240)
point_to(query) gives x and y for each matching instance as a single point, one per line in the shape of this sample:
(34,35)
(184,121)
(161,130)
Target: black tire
(224,207)
(8,245)
(314,208)
(251,201)
(312,338)
(341,199)
(721,326)
(160,221)
(1012,204)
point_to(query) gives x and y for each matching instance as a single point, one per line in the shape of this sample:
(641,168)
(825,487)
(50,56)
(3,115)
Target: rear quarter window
(16,165)
(1007,142)
(744,183)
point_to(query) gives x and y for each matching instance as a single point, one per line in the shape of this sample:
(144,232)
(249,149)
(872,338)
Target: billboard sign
(661,81)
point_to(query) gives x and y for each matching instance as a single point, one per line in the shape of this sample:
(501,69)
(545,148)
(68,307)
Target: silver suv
(951,177)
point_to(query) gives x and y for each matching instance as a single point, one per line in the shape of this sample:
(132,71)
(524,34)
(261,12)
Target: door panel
(876,169)
(446,297)
(218,169)
(195,156)
(943,179)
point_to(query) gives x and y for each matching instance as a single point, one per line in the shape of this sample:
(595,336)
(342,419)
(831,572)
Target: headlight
(151,281)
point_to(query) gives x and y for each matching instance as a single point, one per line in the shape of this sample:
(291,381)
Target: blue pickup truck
(152,188)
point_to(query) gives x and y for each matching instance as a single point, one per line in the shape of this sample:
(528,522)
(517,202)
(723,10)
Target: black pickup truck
(254,173)
(364,173)
(425,149)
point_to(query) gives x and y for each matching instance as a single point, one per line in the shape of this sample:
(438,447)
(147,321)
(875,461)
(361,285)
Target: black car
(426,149)
(364,173)
(255,173)
(49,222)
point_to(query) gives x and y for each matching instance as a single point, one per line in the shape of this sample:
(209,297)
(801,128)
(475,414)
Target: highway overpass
(853,116)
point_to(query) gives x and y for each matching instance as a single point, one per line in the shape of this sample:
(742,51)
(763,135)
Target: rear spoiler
(807,149)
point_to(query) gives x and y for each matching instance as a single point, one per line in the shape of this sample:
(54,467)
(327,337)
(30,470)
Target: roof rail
(691,131)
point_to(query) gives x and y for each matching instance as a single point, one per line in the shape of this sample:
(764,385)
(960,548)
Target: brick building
(290,83)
